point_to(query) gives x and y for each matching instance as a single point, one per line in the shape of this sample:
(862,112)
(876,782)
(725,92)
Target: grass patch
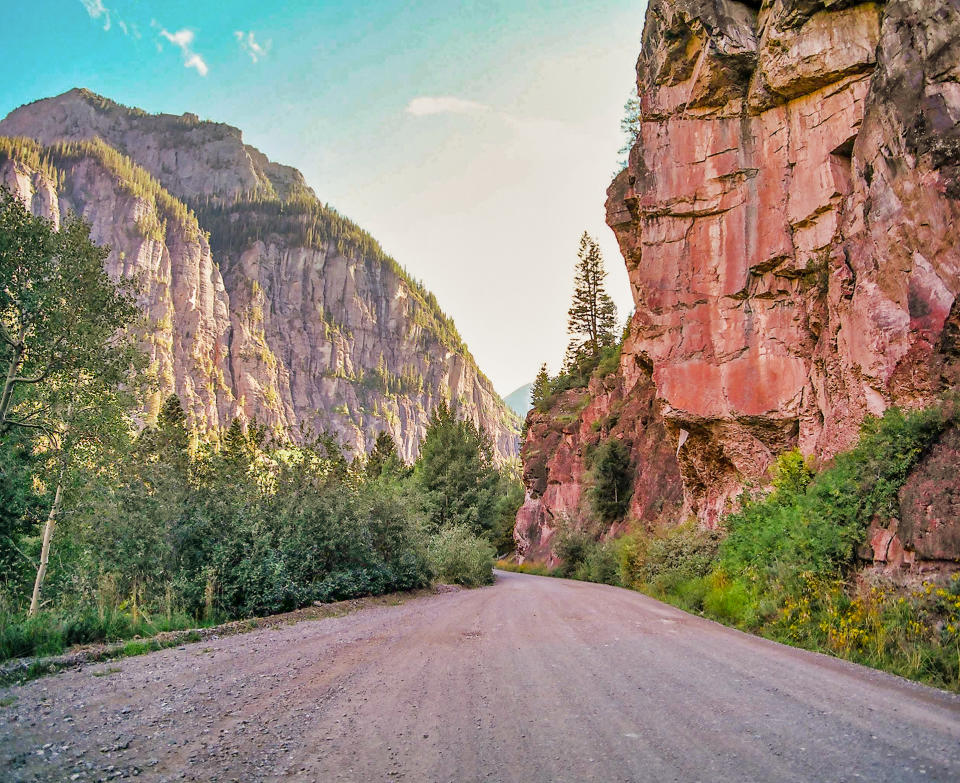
(537,569)
(50,633)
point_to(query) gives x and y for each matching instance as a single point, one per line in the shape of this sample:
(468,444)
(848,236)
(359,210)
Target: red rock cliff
(789,221)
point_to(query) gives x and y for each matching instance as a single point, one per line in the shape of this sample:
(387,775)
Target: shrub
(631,557)
(680,553)
(600,564)
(572,547)
(815,523)
(457,556)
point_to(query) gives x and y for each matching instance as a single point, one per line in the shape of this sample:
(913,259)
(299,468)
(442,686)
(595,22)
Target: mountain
(262,302)
(788,218)
(520,399)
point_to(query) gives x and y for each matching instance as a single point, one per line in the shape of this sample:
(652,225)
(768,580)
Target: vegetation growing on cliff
(304,221)
(592,317)
(611,479)
(787,567)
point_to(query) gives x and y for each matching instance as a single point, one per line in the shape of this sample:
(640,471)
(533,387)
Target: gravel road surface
(532,679)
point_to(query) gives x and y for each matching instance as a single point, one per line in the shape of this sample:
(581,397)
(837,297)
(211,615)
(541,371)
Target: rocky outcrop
(261,302)
(788,217)
(558,445)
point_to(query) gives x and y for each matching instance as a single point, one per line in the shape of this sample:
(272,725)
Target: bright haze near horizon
(475,141)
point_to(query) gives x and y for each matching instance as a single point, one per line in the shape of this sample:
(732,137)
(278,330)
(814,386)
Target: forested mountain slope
(262,302)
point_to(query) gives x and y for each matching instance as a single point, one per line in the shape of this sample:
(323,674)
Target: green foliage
(537,569)
(384,459)
(60,316)
(20,500)
(815,524)
(456,474)
(50,633)
(630,127)
(592,317)
(457,556)
(541,389)
(676,555)
(510,495)
(580,369)
(29,153)
(600,563)
(611,475)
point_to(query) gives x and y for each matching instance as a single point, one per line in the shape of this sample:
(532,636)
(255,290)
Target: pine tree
(456,474)
(592,317)
(612,474)
(384,457)
(541,388)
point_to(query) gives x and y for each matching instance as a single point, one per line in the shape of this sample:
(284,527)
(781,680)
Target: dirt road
(533,679)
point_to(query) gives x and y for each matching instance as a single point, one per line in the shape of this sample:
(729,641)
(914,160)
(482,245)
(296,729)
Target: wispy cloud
(248,43)
(426,105)
(97,10)
(183,39)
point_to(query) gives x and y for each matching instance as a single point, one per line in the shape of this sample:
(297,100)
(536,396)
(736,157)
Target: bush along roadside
(785,566)
(182,535)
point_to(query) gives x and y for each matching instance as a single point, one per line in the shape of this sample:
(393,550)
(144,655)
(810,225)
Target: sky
(474,140)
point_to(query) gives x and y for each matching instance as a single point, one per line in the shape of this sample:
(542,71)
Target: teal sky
(475,140)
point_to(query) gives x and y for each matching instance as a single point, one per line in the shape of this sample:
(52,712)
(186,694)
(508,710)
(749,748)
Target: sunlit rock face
(261,303)
(789,220)
(789,217)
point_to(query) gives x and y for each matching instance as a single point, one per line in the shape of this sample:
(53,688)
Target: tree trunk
(7,393)
(45,549)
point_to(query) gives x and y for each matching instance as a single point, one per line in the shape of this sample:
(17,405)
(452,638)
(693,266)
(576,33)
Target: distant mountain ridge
(261,301)
(520,400)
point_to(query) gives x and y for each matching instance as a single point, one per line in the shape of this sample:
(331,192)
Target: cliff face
(788,218)
(261,302)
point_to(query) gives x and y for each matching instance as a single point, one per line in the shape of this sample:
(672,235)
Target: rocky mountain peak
(192,158)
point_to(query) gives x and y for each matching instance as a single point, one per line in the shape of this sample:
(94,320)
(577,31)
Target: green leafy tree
(592,317)
(456,473)
(20,502)
(136,525)
(541,388)
(510,496)
(67,353)
(60,315)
